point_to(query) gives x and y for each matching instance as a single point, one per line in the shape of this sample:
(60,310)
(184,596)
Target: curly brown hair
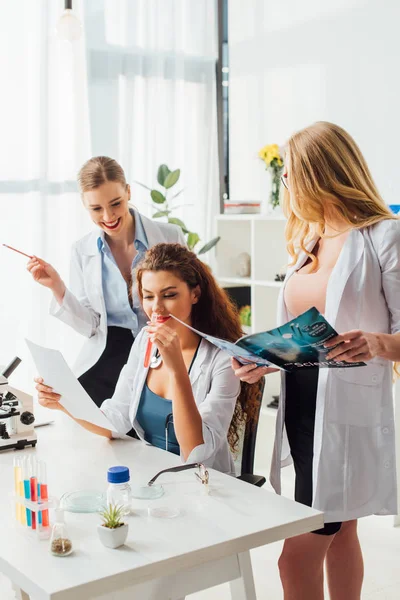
(214,314)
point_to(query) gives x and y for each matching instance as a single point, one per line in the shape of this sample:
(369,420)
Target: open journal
(296,345)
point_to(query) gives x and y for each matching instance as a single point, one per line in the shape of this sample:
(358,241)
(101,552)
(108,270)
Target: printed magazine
(296,345)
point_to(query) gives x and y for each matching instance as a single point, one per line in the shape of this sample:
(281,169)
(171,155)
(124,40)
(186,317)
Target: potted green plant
(163,208)
(245,318)
(112,531)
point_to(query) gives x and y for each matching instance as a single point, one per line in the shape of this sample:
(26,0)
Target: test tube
(17,487)
(34,489)
(27,489)
(155,318)
(43,493)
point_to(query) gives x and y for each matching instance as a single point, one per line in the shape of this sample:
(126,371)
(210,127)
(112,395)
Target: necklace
(155,361)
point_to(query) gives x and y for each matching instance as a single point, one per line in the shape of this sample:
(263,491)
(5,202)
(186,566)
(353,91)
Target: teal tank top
(154,416)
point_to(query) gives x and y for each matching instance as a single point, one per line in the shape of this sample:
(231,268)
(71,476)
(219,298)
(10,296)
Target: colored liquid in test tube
(27,489)
(34,490)
(17,488)
(155,318)
(43,494)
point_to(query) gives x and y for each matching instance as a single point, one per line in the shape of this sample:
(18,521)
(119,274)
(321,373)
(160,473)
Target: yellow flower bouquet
(273,160)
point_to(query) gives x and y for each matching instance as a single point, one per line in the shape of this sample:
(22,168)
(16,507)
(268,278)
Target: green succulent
(112,516)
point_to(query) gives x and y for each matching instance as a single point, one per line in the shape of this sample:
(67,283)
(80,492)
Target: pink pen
(19,251)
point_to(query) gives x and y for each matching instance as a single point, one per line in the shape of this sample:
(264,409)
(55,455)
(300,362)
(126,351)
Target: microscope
(16,413)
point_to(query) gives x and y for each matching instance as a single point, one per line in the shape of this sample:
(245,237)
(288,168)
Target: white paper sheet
(55,372)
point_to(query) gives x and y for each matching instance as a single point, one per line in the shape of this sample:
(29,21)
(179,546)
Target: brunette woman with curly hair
(189,401)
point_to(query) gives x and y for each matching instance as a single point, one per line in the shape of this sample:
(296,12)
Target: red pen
(154,319)
(19,251)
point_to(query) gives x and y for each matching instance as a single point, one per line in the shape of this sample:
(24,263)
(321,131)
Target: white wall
(293,63)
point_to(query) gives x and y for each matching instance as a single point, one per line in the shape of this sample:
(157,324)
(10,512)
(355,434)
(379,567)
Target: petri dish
(163,512)
(147,492)
(83,501)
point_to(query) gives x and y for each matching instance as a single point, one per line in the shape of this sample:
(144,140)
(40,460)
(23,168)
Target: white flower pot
(112,538)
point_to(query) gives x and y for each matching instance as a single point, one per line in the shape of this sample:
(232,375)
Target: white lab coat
(83,305)
(354,470)
(215,390)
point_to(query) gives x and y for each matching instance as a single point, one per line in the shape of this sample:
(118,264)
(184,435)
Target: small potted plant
(112,531)
(245,319)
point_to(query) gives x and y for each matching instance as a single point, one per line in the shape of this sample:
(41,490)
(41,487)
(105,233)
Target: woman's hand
(46,275)
(250,373)
(354,346)
(167,341)
(46,396)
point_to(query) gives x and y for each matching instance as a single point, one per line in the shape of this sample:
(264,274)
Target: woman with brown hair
(337,425)
(189,401)
(98,304)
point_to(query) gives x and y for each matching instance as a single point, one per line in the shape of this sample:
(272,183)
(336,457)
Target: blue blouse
(115,290)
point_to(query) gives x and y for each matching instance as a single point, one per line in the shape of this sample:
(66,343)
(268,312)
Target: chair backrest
(250,437)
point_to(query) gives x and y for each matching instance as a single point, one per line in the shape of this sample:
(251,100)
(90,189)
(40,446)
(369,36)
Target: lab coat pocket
(355,396)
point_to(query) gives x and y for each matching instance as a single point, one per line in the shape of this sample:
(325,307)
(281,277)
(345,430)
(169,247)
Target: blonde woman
(337,424)
(98,304)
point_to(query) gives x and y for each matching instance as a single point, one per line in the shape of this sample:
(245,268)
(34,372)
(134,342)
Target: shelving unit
(262,237)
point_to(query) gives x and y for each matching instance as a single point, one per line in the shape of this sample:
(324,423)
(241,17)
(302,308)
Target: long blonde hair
(328,175)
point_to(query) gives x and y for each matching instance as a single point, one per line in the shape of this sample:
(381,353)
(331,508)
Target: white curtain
(153,97)
(143,76)
(45,138)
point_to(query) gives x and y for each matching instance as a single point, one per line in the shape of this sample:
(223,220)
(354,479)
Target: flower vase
(272,204)
(275,188)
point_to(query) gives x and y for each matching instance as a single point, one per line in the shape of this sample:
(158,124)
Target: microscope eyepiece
(11,367)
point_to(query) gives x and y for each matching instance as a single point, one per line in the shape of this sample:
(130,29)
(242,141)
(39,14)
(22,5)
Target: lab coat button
(340,371)
(374,378)
(385,430)
(387,464)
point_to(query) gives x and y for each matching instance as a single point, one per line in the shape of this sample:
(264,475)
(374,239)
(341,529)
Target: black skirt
(100,380)
(300,403)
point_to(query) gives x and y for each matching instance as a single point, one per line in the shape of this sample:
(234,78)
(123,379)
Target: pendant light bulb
(69,26)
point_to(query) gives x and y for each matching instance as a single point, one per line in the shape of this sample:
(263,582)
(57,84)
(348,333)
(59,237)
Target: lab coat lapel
(93,274)
(200,363)
(350,256)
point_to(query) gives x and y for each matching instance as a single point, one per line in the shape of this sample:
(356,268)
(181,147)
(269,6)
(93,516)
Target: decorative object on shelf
(112,531)
(273,160)
(280,277)
(245,315)
(241,208)
(161,204)
(243,265)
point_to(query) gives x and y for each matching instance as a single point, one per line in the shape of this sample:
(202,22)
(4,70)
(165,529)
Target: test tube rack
(28,512)
(31,499)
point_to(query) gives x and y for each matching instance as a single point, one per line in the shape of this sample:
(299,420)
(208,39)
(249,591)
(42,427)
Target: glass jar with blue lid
(118,490)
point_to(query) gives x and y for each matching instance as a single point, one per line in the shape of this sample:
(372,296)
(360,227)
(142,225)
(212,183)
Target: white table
(206,545)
